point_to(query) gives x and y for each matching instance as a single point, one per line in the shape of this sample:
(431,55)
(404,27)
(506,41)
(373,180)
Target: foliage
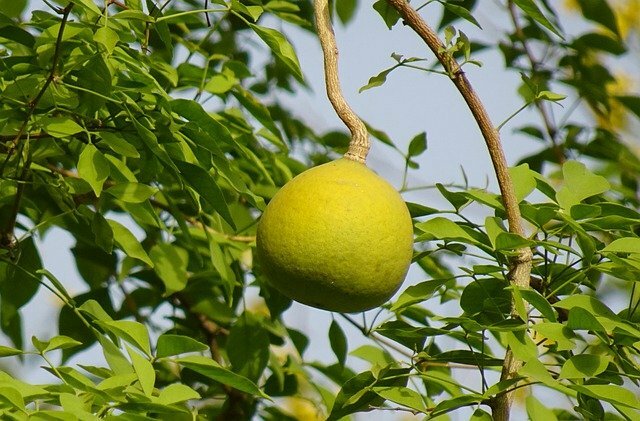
(152,134)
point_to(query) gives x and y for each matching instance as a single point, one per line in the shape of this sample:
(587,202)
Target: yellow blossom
(627,14)
(617,118)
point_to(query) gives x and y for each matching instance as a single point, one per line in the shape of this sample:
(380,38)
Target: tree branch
(359,145)
(234,408)
(521,265)
(7,238)
(161,206)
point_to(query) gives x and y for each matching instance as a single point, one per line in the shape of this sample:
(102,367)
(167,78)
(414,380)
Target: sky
(409,102)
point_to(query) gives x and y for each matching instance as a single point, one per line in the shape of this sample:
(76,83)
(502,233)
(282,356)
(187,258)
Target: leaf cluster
(152,134)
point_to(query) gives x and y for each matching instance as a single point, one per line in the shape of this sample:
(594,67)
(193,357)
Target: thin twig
(236,400)
(552,130)
(359,145)
(118,3)
(131,304)
(191,220)
(6,233)
(31,105)
(521,265)
(377,337)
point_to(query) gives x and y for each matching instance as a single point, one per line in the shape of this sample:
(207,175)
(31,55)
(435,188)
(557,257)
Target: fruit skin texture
(337,237)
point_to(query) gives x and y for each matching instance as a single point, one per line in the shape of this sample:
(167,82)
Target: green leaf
(541,304)
(18,285)
(467,357)
(408,335)
(389,15)
(524,181)
(402,396)
(118,381)
(602,42)
(537,411)
(521,344)
(600,12)
(418,293)
(117,143)
(356,393)
(136,15)
(416,210)
(132,192)
(417,145)
(346,9)
(93,168)
(6,351)
(518,303)
(584,366)
(589,303)
(248,347)
(280,47)
(480,415)
(57,342)
(133,332)
(487,297)
(220,83)
(194,112)
(338,341)
(107,37)
(581,319)
(205,185)
(377,80)
(116,360)
(374,355)
(623,245)
(535,369)
(74,405)
(102,233)
(511,241)
(60,126)
(150,140)
(89,5)
(462,12)
(299,340)
(381,136)
(258,110)
(252,11)
(170,263)
(448,405)
(609,393)
(220,261)
(458,199)
(169,345)
(12,396)
(550,96)
(13,9)
(93,308)
(177,392)
(128,242)
(209,368)
(579,184)
(530,8)
(144,370)
(444,229)
(631,103)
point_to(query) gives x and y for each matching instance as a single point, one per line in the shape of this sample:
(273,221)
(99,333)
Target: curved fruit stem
(519,273)
(359,145)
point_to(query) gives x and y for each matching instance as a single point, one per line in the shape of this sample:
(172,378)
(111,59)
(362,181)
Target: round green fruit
(337,237)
